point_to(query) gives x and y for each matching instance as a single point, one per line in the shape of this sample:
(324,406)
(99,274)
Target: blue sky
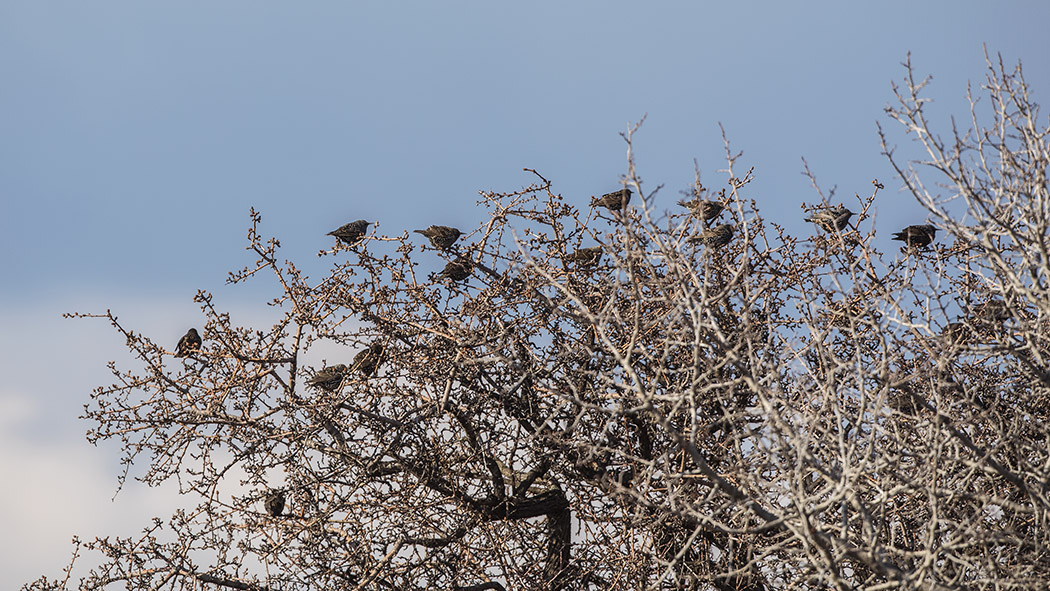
(135,136)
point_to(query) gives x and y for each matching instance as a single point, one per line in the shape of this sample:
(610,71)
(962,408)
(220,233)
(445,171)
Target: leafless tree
(770,412)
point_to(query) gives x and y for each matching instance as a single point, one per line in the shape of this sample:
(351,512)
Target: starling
(920,236)
(457,270)
(831,219)
(758,325)
(994,310)
(708,210)
(352,233)
(275,503)
(328,378)
(585,257)
(366,362)
(956,333)
(716,237)
(615,201)
(190,342)
(441,237)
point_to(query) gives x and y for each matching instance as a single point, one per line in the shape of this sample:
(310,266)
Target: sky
(135,137)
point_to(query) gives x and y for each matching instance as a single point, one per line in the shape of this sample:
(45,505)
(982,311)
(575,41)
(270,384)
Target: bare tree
(619,399)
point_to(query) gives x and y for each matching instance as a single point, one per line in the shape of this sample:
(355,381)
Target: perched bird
(993,310)
(328,378)
(956,333)
(190,342)
(921,235)
(758,325)
(366,362)
(716,237)
(352,233)
(275,503)
(708,210)
(585,257)
(615,201)
(441,237)
(457,270)
(831,219)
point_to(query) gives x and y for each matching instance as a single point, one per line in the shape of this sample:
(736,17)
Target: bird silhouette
(441,237)
(275,503)
(328,378)
(919,235)
(701,208)
(991,311)
(615,201)
(716,237)
(190,342)
(352,233)
(585,257)
(456,270)
(831,219)
(366,362)
(956,333)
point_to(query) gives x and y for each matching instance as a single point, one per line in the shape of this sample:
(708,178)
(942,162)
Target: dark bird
(708,210)
(615,201)
(921,235)
(328,378)
(994,310)
(457,270)
(831,219)
(275,503)
(585,257)
(352,233)
(441,237)
(956,333)
(190,342)
(366,362)
(716,237)
(758,325)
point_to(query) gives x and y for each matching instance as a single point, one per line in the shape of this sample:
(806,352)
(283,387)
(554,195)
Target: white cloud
(56,485)
(54,491)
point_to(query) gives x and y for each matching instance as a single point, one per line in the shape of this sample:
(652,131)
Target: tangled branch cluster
(608,398)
